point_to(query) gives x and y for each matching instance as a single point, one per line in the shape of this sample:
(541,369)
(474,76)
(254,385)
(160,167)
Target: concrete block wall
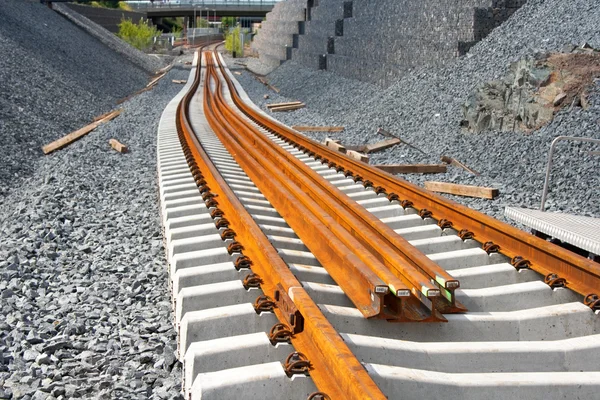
(385,39)
(325,21)
(378,41)
(278,34)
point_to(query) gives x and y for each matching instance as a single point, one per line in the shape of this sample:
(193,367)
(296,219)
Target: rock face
(532,92)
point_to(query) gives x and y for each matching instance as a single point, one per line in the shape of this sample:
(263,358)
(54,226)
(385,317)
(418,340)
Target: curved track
(251,208)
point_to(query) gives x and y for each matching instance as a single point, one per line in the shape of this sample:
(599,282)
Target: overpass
(214,9)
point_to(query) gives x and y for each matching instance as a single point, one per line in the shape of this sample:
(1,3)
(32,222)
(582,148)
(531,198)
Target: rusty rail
(357,229)
(333,367)
(524,250)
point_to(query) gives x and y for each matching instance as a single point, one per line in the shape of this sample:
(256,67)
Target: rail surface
(338,252)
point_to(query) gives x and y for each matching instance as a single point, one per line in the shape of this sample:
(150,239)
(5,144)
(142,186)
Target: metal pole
(194,30)
(549,164)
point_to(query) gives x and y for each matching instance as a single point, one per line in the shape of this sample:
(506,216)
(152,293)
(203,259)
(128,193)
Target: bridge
(214,9)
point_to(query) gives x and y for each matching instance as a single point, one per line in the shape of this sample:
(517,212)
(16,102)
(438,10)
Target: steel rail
(524,250)
(390,248)
(365,289)
(334,368)
(415,308)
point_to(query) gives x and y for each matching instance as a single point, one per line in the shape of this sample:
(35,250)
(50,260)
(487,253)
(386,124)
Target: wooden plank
(456,163)
(102,116)
(357,156)
(73,136)
(123,100)
(383,132)
(385,144)
(164,69)
(288,108)
(112,115)
(289,103)
(462,190)
(413,168)
(120,147)
(303,128)
(266,83)
(180,81)
(70,138)
(333,144)
(155,80)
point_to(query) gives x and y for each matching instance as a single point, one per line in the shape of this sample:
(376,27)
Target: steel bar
(420,287)
(314,226)
(390,248)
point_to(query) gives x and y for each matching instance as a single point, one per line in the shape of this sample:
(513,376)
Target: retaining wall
(380,40)
(278,33)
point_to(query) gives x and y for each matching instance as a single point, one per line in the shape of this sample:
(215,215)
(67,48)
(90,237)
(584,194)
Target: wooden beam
(112,115)
(101,116)
(456,163)
(123,100)
(462,190)
(73,136)
(120,147)
(267,84)
(333,144)
(303,128)
(237,72)
(180,81)
(385,144)
(288,108)
(155,80)
(357,156)
(413,168)
(70,138)
(383,132)
(289,103)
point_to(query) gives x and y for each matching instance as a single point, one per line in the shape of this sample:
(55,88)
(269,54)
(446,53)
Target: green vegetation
(202,23)
(173,25)
(228,22)
(232,41)
(121,5)
(139,35)
(177,32)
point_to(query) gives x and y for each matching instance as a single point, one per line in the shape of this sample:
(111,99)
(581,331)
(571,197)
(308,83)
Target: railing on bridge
(221,4)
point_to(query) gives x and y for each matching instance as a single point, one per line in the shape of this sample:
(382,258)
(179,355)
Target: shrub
(139,35)
(232,41)
(121,5)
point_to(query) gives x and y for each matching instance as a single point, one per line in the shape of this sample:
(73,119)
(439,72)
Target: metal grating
(580,231)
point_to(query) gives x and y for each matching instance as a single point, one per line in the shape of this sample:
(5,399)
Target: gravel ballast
(85,308)
(424,108)
(55,78)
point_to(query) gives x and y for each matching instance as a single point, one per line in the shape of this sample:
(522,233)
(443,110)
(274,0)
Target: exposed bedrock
(534,89)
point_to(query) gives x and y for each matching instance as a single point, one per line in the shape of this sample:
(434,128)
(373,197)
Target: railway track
(299,273)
